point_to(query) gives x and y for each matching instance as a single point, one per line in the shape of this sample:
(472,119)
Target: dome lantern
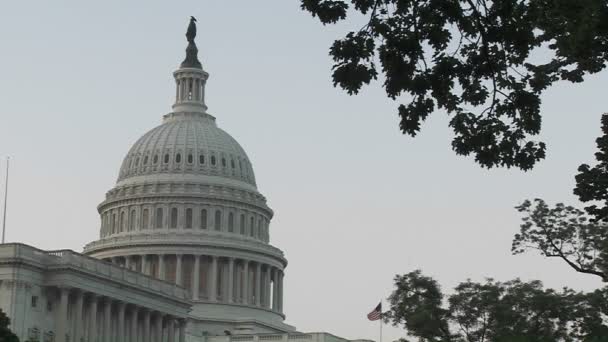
(190,78)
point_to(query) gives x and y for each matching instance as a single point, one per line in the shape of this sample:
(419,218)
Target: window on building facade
(251,227)
(189,218)
(145,219)
(132,220)
(173,217)
(34,301)
(218,220)
(201,159)
(178,158)
(204,219)
(166,158)
(113,223)
(212,160)
(190,159)
(159,218)
(156,159)
(242,222)
(231,222)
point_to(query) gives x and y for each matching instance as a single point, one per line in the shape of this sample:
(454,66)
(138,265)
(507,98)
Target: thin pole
(380,320)
(5,199)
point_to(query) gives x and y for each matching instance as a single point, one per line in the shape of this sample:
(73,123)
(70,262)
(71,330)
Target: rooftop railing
(69,259)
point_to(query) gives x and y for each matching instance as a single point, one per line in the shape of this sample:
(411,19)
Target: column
(107,320)
(144,264)
(159,327)
(127,262)
(275,289)
(93,318)
(258,283)
(78,317)
(230,280)
(246,282)
(182,330)
(171,330)
(121,322)
(238,283)
(213,279)
(196,277)
(178,269)
(161,266)
(61,320)
(134,321)
(267,288)
(146,327)
(281,291)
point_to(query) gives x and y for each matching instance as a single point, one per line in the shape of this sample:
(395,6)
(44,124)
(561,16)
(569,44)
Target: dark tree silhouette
(592,182)
(473,59)
(491,311)
(6,335)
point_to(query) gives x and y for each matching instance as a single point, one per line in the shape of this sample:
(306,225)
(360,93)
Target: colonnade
(186,217)
(214,278)
(85,316)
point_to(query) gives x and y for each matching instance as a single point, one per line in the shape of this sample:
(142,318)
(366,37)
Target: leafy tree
(5,334)
(495,311)
(474,59)
(563,232)
(592,182)
(577,237)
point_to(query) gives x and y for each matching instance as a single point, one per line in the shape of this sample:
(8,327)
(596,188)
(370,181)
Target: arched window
(189,218)
(251,227)
(121,225)
(167,158)
(212,160)
(190,159)
(218,220)
(178,158)
(231,222)
(137,161)
(159,218)
(156,159)
(113,223)
(204,219)
(145,219)
(223,162)
(173,217)
(259,228)
(132,220)
(201,159)
(232,163)
(242,224)
(146,160)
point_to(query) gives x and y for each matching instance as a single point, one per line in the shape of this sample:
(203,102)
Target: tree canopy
(475,59)
(6,335)
(495,311)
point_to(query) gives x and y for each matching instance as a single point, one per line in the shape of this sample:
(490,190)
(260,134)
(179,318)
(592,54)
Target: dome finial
(191,60)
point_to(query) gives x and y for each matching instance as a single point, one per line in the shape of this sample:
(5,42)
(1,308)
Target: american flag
(376,314)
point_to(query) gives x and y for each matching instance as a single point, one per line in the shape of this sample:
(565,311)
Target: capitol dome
(190,145)
(186,209)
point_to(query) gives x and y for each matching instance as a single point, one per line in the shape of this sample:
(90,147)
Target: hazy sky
(356,202)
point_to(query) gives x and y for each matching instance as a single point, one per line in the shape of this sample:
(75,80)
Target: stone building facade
(183,252)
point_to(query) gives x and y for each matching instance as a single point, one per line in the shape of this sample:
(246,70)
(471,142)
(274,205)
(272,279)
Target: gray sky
(356,202)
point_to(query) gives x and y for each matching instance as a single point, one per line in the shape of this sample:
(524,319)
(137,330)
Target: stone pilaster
(178,269)
(258,283)
(196,277)
(230,291)
(61,319)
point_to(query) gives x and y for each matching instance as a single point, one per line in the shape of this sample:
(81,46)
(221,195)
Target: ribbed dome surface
(187,143)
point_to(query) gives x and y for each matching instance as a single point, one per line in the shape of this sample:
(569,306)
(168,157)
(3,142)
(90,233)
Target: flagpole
(380,320)
(5,199)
